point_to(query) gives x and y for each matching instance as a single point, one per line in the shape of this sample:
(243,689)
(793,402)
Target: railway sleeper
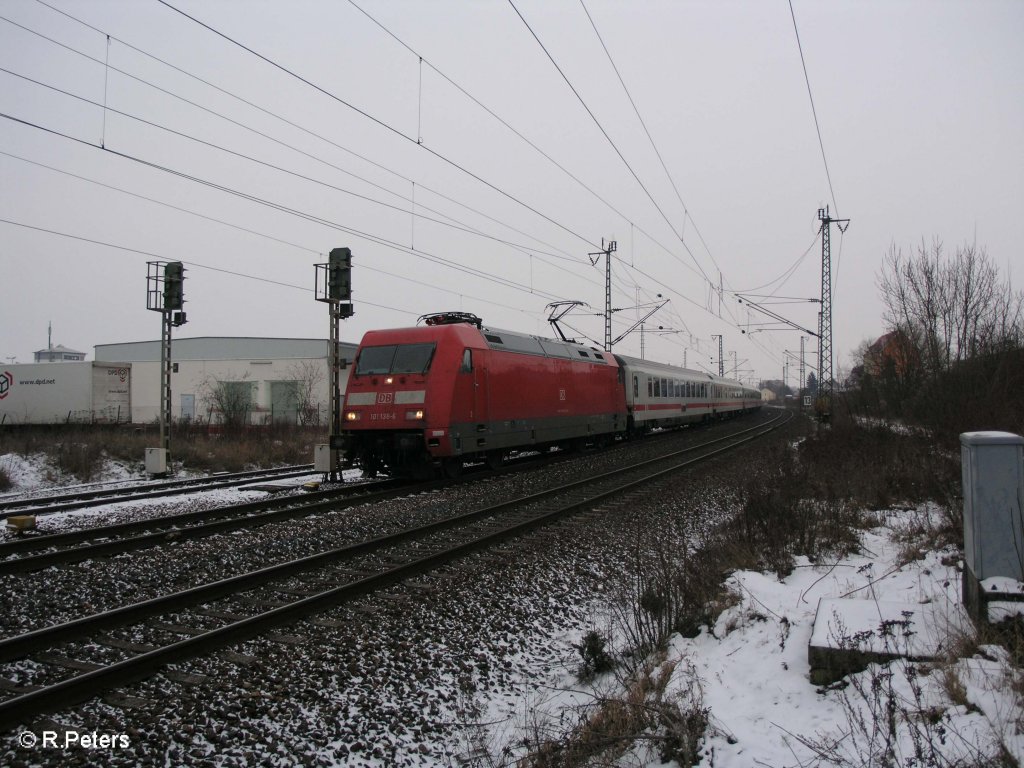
(125,701)
(65,662)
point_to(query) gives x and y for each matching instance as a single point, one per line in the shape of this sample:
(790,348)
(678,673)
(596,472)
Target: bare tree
(953,355)
(232,400)
(950,310)
(308,376)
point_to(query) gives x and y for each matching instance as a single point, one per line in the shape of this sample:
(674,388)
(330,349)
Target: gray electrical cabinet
(993,485)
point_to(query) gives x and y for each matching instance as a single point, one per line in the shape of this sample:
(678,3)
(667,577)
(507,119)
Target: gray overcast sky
(920,107)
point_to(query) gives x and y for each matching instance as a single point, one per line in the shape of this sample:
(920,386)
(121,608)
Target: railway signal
(335,290)
(165,293)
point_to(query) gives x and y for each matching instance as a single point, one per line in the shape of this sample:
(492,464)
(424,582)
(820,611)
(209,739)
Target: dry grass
(80,452)
(642,712)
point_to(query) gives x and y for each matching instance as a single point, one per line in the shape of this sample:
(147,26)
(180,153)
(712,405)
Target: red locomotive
(452,390)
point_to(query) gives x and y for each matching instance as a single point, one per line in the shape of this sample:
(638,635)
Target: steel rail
(84,686)
(48,505)
(198,524)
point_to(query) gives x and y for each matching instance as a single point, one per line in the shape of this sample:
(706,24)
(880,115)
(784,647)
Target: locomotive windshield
(395,358)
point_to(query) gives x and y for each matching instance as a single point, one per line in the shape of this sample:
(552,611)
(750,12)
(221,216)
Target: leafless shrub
(666,585)
(228,402)
(307,376)
(672,725)
(900,713)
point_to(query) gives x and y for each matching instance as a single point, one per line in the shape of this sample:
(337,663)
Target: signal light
(339,274)
(174,285)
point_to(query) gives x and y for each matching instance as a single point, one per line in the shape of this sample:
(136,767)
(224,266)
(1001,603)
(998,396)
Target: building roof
(219,348)
(59,349)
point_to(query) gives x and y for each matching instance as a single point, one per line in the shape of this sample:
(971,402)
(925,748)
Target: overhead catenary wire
(276,116)
(231,272)
(648,276)
(814,111)
(534,146)
(388,127)
(135,48)
(650,138)
(286,209)
(281,169)
(601,128)
(464,227)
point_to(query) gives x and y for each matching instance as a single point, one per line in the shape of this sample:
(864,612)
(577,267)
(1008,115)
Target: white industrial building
(259,380)
(216,378)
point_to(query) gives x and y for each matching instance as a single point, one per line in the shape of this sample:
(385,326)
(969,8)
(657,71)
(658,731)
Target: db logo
(385,398)
(6,382)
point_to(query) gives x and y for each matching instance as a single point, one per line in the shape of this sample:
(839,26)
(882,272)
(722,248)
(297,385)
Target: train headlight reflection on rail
(353,416)
(414,415)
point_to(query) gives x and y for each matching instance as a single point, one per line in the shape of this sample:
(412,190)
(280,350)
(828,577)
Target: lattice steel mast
(826,384)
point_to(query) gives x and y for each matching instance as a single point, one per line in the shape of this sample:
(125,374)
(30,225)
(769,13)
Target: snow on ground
(751,671)
(753,668)
(35,474)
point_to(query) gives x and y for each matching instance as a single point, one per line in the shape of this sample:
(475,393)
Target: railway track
(35,552)
(48,505)
(113,648)
(23,555)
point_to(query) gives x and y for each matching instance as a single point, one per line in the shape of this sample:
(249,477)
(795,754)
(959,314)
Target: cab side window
(467,361)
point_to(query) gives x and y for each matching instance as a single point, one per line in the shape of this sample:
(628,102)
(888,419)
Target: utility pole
(803,380)
(607,249)
(825,382)
(721,363)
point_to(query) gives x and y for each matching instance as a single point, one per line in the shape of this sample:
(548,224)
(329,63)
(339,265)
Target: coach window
(650,387)
(467,361)
(636,386)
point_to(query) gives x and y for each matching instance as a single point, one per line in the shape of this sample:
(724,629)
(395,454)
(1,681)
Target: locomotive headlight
(414,415)
(389,380)
(353,416)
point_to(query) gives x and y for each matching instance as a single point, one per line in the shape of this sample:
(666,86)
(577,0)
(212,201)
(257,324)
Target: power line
(320,89)
(603,132)
(285,209)
(381,123)
(814,111)
(654,146)
(160,202)
(288,122)
(530,143)
(235,273)
(281,169)
(464,227)
(784,277)
(490,111)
